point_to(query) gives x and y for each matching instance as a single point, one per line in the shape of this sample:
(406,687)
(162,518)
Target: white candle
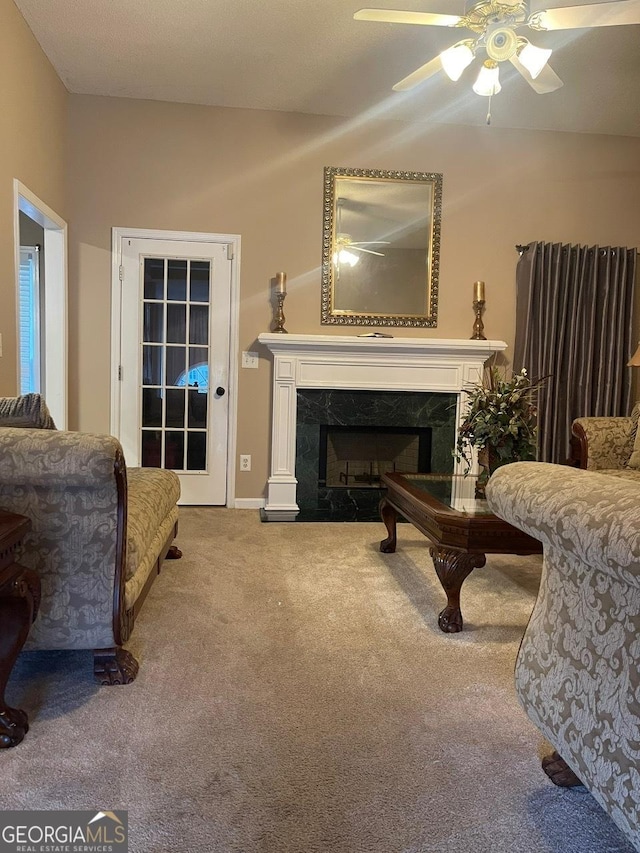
(281,282)
(478,291)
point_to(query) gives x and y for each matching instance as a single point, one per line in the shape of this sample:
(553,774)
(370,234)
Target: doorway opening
(40,240)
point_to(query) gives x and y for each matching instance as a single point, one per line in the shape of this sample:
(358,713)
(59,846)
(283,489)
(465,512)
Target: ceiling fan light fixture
(455,59)
(344,256)
(533,58)
(488,82)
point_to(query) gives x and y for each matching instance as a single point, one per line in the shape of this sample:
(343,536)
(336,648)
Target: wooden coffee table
(462,529)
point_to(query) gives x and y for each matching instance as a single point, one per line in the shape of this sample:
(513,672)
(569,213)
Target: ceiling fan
(345,248)
(494,23)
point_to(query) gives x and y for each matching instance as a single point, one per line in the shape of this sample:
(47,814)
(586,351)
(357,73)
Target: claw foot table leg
(452,567)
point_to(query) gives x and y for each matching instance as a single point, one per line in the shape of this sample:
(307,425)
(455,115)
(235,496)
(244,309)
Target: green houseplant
(500,421)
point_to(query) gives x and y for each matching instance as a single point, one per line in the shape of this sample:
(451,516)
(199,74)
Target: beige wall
(33,142)
(260,174)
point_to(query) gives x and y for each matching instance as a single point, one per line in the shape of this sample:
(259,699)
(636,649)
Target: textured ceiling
(312,57)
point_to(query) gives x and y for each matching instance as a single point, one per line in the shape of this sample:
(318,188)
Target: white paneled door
(174,365)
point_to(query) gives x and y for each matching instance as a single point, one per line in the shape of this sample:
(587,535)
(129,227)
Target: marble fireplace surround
(357,363)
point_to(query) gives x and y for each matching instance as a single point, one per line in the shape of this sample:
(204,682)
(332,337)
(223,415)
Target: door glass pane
(153,328)
(176,365)
(177,280)
(152,365)
(200,272)
(176,324)
(175,408)
(199,324)
(198,357)
(198,375)
(175,372)
(197,409)
(152,448)
(174,450)
(151,407)
(197,451)
(154,278)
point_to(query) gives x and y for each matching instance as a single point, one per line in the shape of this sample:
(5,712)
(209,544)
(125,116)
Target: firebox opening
(357,456)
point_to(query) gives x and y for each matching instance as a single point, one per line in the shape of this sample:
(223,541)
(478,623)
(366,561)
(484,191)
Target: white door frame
(55,296)
(232,240)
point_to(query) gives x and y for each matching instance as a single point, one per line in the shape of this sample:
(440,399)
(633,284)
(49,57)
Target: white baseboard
(248,503)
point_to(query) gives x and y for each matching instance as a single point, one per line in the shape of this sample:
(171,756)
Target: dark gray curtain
(573,325)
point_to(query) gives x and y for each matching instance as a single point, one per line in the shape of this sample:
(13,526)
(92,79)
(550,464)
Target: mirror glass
(381,247)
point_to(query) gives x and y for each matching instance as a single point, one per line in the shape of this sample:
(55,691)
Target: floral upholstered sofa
(578,668)
(99,534)
(609,445)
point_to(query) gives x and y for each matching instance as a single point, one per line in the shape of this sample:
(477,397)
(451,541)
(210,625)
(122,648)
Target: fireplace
(437,370)
(346,439)
(358,456)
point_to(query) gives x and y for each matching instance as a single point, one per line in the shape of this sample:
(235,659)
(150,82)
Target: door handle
(220,391)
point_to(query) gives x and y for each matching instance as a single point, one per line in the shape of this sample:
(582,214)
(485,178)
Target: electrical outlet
(250,359)
(245,462)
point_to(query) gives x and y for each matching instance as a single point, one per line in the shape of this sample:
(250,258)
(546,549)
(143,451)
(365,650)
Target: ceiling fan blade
(593,15)
(368,251)
(546,81)
(392,16)
(423,73)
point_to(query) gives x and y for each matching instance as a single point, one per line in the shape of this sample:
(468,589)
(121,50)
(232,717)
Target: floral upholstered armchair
(99,532)
(609,445)
(577,671)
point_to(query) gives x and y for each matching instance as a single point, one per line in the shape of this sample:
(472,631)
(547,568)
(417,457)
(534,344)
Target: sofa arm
(37,457)
(600,443)
(72,486)
(594,518)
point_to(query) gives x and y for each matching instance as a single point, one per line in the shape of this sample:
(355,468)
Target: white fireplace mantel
(358,363)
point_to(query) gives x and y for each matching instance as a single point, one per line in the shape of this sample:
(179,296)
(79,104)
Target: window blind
(29,320)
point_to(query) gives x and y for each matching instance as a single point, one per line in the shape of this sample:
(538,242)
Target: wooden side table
(19,600)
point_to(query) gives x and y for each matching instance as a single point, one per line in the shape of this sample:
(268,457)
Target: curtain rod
(522,249)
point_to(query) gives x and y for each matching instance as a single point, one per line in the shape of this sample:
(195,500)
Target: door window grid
(175,342)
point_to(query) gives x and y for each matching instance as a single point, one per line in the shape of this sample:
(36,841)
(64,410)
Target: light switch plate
(250,359)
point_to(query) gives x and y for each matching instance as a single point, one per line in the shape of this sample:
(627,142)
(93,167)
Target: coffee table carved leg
(19,598)
(390,517)
(452,567)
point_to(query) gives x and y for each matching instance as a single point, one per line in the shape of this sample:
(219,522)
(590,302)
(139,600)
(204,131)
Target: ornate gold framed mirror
(381,247)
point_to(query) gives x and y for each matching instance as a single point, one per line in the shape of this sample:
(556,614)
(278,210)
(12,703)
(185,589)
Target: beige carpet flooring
(296,696)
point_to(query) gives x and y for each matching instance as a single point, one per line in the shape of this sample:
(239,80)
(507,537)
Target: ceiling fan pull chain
(489,110)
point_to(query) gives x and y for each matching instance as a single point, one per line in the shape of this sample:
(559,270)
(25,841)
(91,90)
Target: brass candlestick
(478,326)
(280,318)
